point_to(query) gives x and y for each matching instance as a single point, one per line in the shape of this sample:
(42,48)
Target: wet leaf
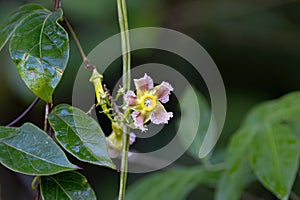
(66,186)
(29,150)
(6,132)
(80,135)
(13,20)
(40,48)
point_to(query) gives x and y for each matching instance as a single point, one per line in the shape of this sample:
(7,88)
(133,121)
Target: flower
(147,103)
(96,79)
(115,140)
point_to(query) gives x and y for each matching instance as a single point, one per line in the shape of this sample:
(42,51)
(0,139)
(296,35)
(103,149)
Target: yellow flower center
(148,102)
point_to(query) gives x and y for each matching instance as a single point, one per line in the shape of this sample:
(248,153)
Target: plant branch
(47,127)
(35,185)
(37,196)
(35,101)
(124,163)
(294,196)
(87,63)
(46,117)
(123,23)
(56,4)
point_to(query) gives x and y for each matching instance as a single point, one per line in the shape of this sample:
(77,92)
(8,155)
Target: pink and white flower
(147,103)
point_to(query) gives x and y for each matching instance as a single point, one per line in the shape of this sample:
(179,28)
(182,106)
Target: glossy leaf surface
(6,132)
(66,186)
(40,48)
(29,150)
(13,20)
(80,135)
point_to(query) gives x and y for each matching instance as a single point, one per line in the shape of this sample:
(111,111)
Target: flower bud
(96,79)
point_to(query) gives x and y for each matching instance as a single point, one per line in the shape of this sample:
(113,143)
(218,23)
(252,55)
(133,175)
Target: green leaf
(296,128)
(270,149)
(14,19)
(233,182)
(80,135)
(66,186)
(275,158)
(237,169)
(29,150)
(40,48)
(189,101)
(288,107)
(284,109)
(174,184)
(274,151)
(6,132)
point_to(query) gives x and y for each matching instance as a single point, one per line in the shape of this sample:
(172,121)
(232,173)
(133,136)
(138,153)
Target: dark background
(255,44)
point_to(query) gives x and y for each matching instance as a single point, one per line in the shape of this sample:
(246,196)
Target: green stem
(123,22)
(124,164)
(125,43)
(34,184)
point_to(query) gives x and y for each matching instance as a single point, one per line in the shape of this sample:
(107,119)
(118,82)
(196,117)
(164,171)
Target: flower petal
(112,151)
(160,115)
(138,119)
(163,91)
(143,84)
(132,137)
(130,98)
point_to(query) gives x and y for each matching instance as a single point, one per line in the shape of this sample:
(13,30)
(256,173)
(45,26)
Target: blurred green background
(255,44)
